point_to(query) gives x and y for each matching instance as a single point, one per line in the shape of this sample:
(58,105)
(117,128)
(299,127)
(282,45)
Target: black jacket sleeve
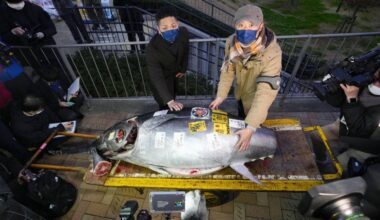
(156,76)
(25,132)
(185,58)
(5,26)
(43,17)
(361,121)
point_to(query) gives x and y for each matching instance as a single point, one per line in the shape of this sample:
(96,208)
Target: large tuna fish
(191,142)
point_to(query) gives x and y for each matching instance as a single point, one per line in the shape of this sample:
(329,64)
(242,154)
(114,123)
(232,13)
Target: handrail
(215,39)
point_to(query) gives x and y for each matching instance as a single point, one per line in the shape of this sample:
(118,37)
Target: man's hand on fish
(215,104)
(174,106)
(245,136)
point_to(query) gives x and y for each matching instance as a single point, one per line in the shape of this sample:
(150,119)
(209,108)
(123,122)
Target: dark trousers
(96,15)
(241,112)
(73,112)
(75,23)
(134,29)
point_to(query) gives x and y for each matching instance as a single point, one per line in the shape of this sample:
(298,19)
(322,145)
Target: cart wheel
(217,198)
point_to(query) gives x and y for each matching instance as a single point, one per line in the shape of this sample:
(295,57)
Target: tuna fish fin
(157,121)
(159,170)
(244,171)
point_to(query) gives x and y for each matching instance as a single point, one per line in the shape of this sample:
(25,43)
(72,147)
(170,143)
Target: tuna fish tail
(244,171)
(100,167)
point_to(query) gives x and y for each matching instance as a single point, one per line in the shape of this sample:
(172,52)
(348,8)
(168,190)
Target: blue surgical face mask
(170,35)
(246,37)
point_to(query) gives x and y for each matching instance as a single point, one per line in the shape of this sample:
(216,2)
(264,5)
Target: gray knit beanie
(249,12)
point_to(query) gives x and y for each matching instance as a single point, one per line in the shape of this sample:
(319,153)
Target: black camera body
(357,71)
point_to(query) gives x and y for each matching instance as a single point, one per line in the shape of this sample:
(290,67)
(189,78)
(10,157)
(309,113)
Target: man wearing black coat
(30,123)
(167,58)
(358,126)
(24,23)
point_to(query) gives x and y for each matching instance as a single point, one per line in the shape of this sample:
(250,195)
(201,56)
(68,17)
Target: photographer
(358,124)
(24,23)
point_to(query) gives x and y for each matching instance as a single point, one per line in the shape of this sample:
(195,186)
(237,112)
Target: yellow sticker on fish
(197,126)
(220,118)
(221,128)
(217,111)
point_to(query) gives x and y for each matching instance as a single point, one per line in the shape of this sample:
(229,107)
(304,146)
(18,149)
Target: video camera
(357,71)
(354,198)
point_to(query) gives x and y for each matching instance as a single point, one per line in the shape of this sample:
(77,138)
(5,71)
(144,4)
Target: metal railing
(211,9)
(123,23)
(112,70)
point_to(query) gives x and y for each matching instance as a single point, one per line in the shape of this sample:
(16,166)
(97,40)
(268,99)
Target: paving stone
(84,185)
(93,196)
(143,195)
(114,207)
(91,217)
(215,209)
(81,209)
(275,208)
(157,217)
(247,198)
(107,199)
(257,211)
(126,191)
(87,217)
(280,194)
(239,211)
(262,198)
(288,215)
(97,209)
(299,216)
(297,195)
(220,216)
(227,207)
(289,204)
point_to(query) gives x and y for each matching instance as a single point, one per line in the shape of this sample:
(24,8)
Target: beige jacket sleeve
(264,95)
(227,75)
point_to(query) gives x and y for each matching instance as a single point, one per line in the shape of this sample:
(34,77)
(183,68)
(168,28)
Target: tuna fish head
(118,139)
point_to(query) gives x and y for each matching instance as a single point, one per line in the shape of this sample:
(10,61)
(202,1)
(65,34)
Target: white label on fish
(213,141)
(179,139)
(159,140)
(236,123)
(162,112)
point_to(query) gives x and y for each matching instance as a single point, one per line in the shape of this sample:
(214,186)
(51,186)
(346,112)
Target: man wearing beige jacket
(253,58)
